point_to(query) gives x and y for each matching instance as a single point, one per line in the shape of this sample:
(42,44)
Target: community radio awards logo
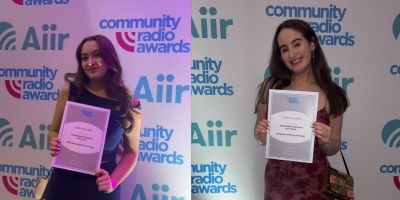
(19,180)
(396,27)
(206,78)
(148,35)
(40,2)
(155,146)
(211,178)
(327,21)
(391,138)
(33,84)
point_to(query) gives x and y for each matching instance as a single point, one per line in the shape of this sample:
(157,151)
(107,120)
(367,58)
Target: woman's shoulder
(66,88)
(64,93)
(270,83)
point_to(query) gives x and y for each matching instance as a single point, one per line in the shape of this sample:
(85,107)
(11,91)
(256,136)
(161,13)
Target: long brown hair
(115,86)
(281,75)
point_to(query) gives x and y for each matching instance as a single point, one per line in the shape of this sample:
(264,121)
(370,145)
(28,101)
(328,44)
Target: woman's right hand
(260,131)
(55,146)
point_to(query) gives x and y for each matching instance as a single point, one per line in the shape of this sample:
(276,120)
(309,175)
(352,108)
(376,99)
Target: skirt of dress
(286,180)
(69,185)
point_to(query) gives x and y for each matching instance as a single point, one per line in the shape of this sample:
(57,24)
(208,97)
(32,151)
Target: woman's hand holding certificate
(80,143)
(291,114)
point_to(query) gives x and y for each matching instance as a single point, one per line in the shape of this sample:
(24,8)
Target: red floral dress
(286,180)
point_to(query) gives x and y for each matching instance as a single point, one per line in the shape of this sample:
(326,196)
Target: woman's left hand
(104,181)
(323,133)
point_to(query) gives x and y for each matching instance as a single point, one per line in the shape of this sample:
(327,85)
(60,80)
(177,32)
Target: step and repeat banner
(231,45)
(38,39)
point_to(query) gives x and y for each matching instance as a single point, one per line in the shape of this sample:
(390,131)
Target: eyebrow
(95,51)
(295,40)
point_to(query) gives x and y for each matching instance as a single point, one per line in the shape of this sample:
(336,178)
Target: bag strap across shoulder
(344,161)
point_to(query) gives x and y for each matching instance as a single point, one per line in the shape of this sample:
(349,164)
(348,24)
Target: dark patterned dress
(286,180)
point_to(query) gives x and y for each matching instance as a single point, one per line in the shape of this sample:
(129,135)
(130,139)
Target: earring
(313,54)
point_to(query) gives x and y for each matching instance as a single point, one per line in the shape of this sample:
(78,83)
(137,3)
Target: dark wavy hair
(115,87)
(281,75)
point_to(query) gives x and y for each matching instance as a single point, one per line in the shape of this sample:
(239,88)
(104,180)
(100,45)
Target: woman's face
(92,62)
(295,50)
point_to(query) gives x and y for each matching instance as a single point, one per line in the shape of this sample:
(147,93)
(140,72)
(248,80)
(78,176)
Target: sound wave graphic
(391,133)
(11,184)
(7,139)
(19,2)
(14,88)
(396,181)
(122,40)
(7,36)
(396,27)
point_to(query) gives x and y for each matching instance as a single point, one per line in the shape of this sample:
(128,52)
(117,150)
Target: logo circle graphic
(396,27)
(267,73)
(5,133)
(19,2)
(126,40)
(396,181)
(11,184)
(7,36)
(391,133)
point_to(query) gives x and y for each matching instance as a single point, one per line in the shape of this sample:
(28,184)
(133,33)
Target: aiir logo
(7,41)
(29,138)
(45,39)
(11,184)
(396,27)
(39,2)
(158,192)
(218,27)
(214,135)
(165,90)
(391,133)
(5,133)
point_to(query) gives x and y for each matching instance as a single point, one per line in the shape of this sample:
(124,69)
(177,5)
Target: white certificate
(82,135)
(291,114)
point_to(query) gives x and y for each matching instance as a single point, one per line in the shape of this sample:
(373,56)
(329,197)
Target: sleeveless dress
(286,180)
(69,185)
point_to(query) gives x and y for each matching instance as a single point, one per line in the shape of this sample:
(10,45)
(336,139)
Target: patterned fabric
(286,180)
